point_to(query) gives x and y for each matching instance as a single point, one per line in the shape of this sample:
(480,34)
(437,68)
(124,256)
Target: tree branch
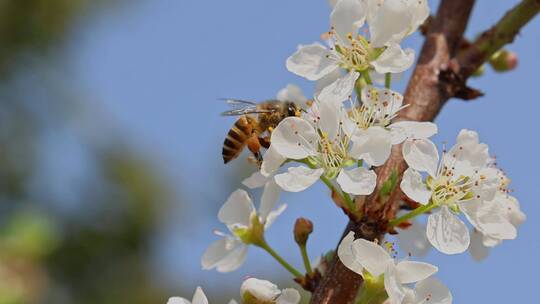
(426,94)
(339,284)
(428,90)
(492,40)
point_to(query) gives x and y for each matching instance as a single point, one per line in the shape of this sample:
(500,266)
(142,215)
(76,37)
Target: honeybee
(253,128)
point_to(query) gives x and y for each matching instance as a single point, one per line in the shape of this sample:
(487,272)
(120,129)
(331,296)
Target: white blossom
(261,291)
(463,180)
(374,133)
(322,139)
(503,208)
(413,239)
(370,259)
(428,291)
(389,22)
(198,298)
(244,224)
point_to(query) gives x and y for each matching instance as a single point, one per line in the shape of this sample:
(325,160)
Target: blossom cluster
(347,129)
(252,291)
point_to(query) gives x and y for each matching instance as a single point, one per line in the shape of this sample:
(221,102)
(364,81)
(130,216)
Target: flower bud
(503,61)
(480,71)
(302,229)
(255,291)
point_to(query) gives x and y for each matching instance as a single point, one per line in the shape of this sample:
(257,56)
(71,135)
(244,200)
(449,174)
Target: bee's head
(293,109)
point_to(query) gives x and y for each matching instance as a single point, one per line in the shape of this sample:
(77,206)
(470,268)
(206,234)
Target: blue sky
(156,68)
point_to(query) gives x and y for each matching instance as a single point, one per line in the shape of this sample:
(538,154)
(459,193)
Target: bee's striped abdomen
(236,138)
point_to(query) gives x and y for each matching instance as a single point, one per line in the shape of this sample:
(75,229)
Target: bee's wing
(236,103)
(244,111)
(242,107)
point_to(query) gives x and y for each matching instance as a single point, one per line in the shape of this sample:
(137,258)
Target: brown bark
(444,65)
(425,99)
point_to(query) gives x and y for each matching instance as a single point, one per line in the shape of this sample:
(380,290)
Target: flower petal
(357,181)
(491,220)
(294,138)
(215,253)
(339,90)
(237,209)
(269,198)
(411,271)
(311,61)
(263,290)
(413,240)
(272,161)
(346,256)
(515,215)
(199,297)
(371,256)
(224,254)
(330,114)
(414,187)
(477,249)
(432,291)
(233,260)
(468,153)
(298,178)
(347,17)
(255,180)
(490,242)
(402,130)
(421,155)
(288,296)
(447,232)
(394,60)
(394,289)
(327,80)
(420,12)
(178,300)
(389,22)
(273,215)
(373,145)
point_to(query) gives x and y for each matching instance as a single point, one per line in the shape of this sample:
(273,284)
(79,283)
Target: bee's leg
(254,146)
(265,141)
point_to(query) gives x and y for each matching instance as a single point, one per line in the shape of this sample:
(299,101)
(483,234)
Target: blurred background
(110,147)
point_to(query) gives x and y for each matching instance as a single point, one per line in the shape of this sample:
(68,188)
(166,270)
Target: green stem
(373,295)
(367,78)
(349,201)
(508,26)
(280,260)
(492,40)
(345,196)
(387,80)
(328,183)
(416,212)
(305,258)
(358,85)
